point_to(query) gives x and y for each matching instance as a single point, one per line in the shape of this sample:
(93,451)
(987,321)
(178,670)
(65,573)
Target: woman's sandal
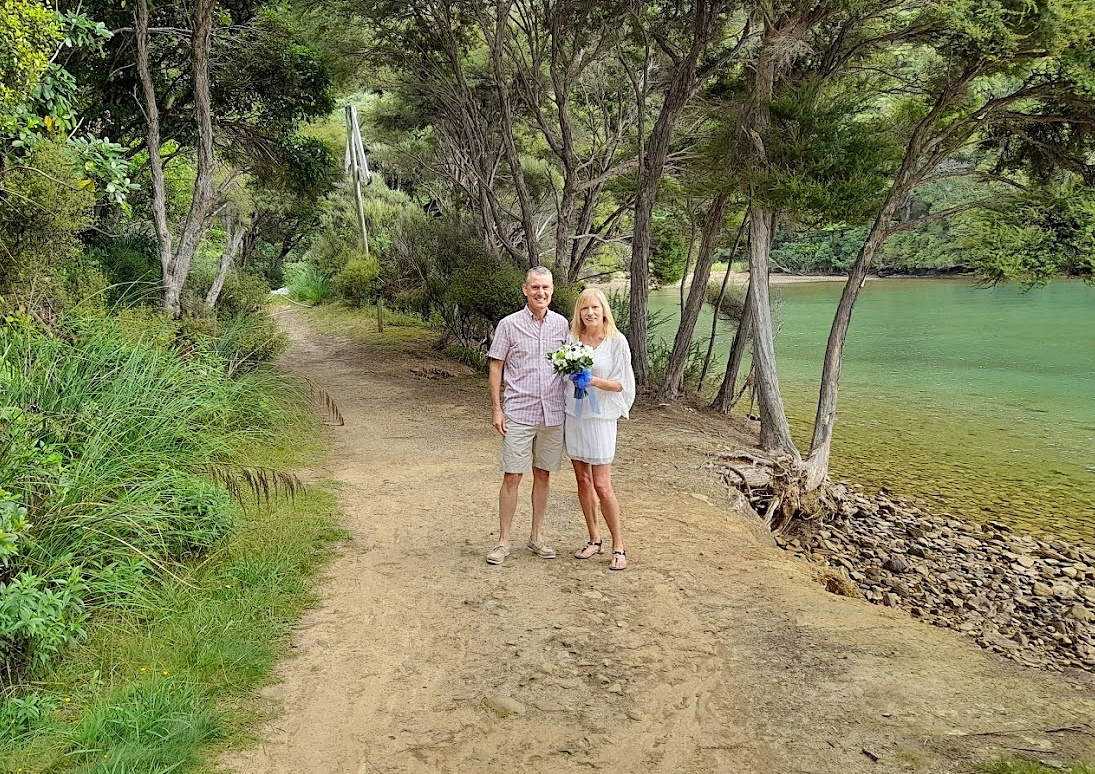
(619,560)
(590,549)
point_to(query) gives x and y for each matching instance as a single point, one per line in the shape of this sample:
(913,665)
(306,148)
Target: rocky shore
(1031,600)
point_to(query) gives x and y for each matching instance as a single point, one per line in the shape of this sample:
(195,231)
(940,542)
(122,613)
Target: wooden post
(355,164)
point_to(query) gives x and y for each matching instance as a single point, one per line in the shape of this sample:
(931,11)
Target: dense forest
(164,166)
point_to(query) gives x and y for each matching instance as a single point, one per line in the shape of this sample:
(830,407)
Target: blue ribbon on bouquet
(581,391)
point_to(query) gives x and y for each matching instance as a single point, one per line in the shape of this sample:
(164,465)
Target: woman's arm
(621,366)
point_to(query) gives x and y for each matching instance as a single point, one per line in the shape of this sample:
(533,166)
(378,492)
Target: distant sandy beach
(736,278)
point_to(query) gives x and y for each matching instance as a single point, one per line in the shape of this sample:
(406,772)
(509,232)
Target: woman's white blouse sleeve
(623,373)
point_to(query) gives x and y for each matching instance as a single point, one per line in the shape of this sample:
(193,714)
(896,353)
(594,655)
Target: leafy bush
(38,618)
(18,714)
(43,214)
(132,266)
(564,296)
(443,267)
(358,282)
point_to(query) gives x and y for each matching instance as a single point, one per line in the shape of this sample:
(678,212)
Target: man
(530,413)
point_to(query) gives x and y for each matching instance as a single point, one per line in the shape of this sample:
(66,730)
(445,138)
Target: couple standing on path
(536,414)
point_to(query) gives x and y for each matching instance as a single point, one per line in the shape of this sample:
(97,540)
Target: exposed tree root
(776,488)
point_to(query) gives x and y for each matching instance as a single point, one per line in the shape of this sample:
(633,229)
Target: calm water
(979,401)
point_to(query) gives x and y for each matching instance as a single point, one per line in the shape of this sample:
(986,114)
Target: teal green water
(980,401)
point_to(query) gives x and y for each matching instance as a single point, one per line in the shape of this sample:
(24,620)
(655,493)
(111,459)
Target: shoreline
(1028,598)
(740,278)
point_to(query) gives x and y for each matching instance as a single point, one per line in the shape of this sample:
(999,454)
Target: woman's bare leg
(610,507)
(587,496)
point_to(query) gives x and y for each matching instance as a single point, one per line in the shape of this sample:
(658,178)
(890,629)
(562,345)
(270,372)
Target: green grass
(359,324)
(307,283)
(161,686)
(156,604)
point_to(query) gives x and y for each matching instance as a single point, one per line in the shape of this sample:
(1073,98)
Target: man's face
(537,290)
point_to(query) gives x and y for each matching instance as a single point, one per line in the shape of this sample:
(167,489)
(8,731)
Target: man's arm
(494,384)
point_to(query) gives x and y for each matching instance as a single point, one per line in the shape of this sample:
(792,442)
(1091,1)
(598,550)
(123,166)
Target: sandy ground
(713,652)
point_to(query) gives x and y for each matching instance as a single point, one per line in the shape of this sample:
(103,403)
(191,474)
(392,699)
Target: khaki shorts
(528,446)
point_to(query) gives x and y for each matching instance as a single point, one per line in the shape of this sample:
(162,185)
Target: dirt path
(714,652)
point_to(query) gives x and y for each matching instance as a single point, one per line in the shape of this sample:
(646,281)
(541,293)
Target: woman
(589,429)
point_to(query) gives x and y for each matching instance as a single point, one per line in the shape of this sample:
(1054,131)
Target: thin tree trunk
(650,173)
(155,161)
(724,400)
(509,143)
(817,461)
(204,196)
(688,261)
(775,431)
(673,382)
(718,305)
(652,162)
(228,258)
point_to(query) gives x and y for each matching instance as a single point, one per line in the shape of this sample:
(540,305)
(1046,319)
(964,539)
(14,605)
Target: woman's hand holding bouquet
(574,359)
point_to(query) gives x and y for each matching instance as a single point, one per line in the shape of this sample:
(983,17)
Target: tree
(683,44)
(266,85)
(1002,71)
(176,258)
(1035,234)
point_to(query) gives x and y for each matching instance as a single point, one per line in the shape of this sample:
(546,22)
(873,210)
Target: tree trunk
(817,462)
(718,306)
(650,172)
(673,382)
(688,259)
(194,227)
(236,233)
(775,431)
(724,400)
(176,266)
(509,143)
(682,85)
(155,162)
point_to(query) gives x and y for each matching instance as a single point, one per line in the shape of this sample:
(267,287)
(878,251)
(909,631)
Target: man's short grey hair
(538,271)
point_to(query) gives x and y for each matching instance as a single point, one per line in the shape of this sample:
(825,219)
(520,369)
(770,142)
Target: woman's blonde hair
(576,324)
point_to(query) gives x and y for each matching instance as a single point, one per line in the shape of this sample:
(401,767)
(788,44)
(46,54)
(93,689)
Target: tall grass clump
(308,283)
(106,441)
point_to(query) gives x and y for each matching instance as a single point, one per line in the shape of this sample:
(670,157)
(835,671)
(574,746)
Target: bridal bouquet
(574,359)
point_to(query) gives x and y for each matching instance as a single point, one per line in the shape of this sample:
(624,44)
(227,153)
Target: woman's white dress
(589,430)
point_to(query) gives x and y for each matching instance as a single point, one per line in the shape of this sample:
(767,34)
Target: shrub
(43,214)
(132,267)
(358,282)
(443,267)
(243,293)
(38,618)
(564,296)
